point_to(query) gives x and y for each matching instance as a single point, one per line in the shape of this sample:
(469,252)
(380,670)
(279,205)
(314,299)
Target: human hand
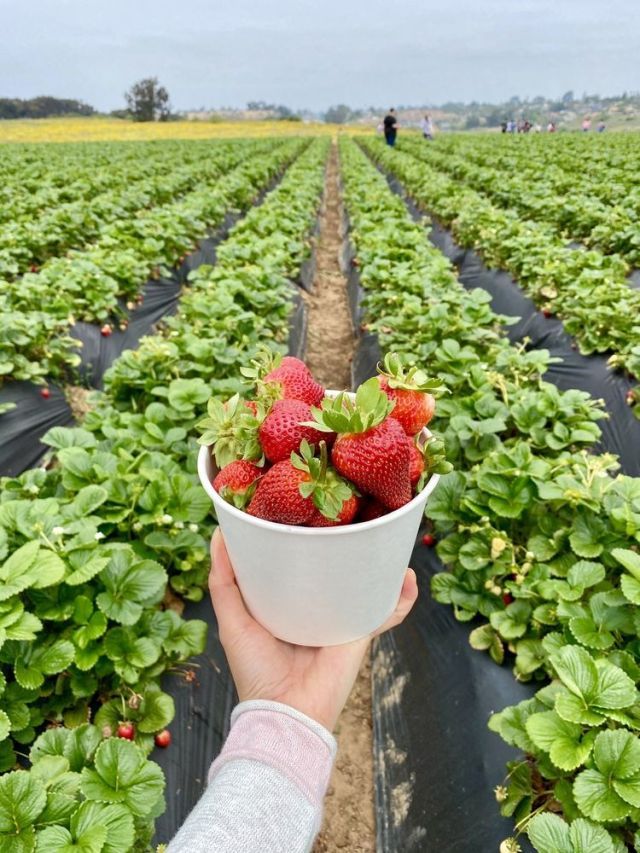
(316,681)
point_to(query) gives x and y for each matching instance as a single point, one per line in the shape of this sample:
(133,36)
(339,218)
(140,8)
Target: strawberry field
(137,281)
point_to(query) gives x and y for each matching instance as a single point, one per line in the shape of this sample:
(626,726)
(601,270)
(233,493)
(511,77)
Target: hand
(316,681)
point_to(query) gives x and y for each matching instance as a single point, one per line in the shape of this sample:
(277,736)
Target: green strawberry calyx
(344,415)
(407,377)
(327,488)
(232,431)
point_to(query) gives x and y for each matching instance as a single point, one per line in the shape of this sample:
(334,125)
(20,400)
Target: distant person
(503,126)
(551,128)
(426,125)
(586,124)
(537,127)
(390,127)
(601,127)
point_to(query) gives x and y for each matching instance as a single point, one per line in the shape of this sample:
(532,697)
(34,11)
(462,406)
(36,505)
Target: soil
(349,818)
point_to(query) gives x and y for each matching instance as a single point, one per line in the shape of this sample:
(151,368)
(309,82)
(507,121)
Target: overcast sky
(313,53)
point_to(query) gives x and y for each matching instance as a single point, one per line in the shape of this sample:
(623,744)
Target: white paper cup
(318,586)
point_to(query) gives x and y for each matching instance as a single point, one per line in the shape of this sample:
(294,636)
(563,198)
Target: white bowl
(318,586)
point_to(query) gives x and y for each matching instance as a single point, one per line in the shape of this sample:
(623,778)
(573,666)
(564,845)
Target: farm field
(137,278)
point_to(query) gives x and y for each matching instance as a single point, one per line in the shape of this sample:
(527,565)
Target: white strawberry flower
(58,531)
(179,525)
(193,528)
(98,536)
(166,518)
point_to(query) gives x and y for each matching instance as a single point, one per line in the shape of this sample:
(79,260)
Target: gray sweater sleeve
(265,788)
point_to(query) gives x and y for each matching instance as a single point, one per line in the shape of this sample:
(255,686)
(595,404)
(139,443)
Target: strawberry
(278,497)
(370,509)
(285,378)
(409,389)
(284,429)
(126,730)
(429,540)
(345,516)
(106,330)
(335,501)
(45,393)
(163,739)
(507,599)
(416,462)
(232,429)
(547,312)
(237,481)
(371,449)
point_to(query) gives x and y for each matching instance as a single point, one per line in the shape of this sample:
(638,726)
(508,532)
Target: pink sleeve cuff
(285,739)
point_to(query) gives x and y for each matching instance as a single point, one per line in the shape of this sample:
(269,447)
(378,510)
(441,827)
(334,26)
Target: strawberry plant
(539,534)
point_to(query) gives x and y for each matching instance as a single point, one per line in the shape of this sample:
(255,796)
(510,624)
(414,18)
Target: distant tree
(43,106)
(472,122)
(568,98)
(338,114)
(147,100)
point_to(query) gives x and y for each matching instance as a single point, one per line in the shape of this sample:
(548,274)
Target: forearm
(266,787)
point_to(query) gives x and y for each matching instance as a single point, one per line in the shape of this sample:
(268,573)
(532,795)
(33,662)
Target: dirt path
(349,822)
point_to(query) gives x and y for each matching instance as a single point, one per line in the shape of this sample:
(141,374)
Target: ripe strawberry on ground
(371,449)
(409,389)
(45,393)
(285,378)
(278,497)
(283,430)
(236,482)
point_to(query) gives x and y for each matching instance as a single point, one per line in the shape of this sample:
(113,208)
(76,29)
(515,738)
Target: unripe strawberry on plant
(236,482)
(285,378)
(277,497)
(410,389)
(283,429)
(371,448)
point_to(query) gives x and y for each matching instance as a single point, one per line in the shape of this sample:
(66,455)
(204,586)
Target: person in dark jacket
(390,127)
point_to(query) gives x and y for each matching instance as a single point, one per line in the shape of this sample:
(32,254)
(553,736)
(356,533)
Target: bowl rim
(204,459)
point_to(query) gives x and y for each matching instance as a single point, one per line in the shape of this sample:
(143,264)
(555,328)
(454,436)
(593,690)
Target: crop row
(567,203)
(89,544)
(587,290)
(91,285)
(540,536)
(25,244)
(37,178)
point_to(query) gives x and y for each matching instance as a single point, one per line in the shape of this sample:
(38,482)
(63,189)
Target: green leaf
(630,588)
(116,818)
(122,774)
(629,559)
(586,632)
(576,668)
(597,799)
(549,834)
(57,839)
(588,837)
(86,501)
(157,709)
(22,799)
(5,725)
(617,753)
(561,739)
(585,574)
(615,689)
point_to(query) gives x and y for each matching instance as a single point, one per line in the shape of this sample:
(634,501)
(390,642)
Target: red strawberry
(45,393)
(295,381)
(416,462)
(371,508)
(163,739)
(371,449)
(507,598)
(429,540)
(126,731)
(281,433)
(278,497)
(345,516)
(546,312)
(409,389)
(106,330)
(236,483)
